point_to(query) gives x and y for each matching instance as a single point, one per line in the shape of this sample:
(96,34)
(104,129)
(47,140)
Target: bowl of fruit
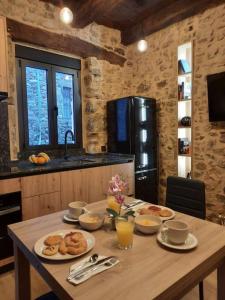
(40,159)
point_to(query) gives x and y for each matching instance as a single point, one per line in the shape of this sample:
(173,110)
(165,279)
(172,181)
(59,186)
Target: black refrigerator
(131,126)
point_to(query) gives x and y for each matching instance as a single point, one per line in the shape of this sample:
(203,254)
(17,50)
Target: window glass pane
(64,98)
(37,106)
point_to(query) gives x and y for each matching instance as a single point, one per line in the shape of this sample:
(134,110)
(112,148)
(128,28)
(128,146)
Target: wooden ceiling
(134,18)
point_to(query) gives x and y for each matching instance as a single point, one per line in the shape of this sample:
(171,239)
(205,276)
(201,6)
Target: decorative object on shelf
(189,175)
(181,91)
(186,121)
(116,197)
(183,146)
(183,67)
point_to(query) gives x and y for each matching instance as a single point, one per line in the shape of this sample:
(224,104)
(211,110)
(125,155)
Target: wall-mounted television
(216,97)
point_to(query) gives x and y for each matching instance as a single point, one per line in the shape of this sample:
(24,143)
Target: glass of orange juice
(113,204)
(125,232)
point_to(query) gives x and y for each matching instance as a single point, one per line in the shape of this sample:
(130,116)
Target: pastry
(50,250)
(165,213)
(146,211)
(73,243)
(53,240)
(62,248)
(76,236)
(154,208)
(78,250)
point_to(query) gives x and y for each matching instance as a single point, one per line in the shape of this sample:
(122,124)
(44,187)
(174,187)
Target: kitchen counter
(25,168)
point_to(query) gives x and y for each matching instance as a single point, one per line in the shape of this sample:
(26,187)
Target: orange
(41,160)
(35,159)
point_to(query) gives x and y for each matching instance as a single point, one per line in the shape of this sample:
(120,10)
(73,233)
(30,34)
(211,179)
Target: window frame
(52,69)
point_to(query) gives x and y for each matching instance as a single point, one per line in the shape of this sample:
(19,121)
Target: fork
(108,263)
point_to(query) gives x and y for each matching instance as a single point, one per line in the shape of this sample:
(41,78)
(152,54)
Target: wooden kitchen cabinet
(10,186)
(40,195)
(40,205)
(72,187)
(40,184)
(91,184)
(3,56)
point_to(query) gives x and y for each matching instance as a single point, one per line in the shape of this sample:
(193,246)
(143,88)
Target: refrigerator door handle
(142,178)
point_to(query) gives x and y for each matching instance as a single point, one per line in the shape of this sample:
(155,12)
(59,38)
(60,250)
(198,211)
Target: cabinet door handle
(142,178)
(9,210)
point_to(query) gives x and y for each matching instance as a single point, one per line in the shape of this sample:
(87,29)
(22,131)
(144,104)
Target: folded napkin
(83,264)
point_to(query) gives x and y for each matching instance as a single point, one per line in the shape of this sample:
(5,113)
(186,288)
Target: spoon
(108,263)
(92,259)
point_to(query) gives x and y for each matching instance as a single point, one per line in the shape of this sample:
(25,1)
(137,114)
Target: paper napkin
(90,273)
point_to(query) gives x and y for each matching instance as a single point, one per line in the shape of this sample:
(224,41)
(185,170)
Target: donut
(50,250)
(53,240)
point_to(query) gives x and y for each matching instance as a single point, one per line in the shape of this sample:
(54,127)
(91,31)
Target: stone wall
(151,74)
(154,74)
(46,16)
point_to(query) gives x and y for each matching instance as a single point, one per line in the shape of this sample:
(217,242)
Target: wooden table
(147,271)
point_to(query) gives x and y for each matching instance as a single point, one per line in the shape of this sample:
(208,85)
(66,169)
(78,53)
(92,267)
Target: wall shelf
(184,100)
(184,105)
(185,155)
(180,126)
(185,74)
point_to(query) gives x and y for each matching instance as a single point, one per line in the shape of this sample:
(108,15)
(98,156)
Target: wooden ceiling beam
(21,32)
(174,12)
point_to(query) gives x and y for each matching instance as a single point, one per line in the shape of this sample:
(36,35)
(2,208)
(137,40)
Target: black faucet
(73,138)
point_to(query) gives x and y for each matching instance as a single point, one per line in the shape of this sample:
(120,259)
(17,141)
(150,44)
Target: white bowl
(87,220)
(148,229)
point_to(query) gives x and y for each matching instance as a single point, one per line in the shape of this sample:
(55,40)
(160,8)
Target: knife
(128,206)
(85,269)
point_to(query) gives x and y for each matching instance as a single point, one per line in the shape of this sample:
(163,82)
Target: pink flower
(120,199)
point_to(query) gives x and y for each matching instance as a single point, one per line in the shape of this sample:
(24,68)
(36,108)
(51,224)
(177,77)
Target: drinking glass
(113,204)
(125,232)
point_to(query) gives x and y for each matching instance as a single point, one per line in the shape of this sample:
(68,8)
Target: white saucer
(68,219)
(190,243)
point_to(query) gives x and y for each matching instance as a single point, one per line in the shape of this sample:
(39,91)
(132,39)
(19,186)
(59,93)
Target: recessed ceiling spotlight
(142,45)
(66,15)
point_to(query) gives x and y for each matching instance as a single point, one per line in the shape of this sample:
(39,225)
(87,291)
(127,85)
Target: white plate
(39,245)
(162,207)
(190,243)
(68,219)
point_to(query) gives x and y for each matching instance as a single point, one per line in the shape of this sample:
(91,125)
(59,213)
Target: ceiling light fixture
(142,44)
(66,15)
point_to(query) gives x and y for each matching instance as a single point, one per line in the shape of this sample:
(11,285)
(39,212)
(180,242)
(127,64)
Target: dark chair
(48,296)
(187,196)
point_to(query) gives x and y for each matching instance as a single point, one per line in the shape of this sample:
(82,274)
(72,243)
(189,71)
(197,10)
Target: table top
(147,271)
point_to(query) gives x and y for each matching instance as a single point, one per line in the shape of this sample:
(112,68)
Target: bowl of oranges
(40,159)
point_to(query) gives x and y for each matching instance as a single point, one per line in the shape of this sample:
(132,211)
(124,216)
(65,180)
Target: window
(48,99)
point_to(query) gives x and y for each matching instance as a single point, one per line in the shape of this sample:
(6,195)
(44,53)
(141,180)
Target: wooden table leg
(22,275)
(221,281)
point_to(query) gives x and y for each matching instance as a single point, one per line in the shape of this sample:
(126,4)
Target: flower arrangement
(117,189)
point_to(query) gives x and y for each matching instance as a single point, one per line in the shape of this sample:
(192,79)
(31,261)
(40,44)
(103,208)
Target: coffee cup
(176,231)
(76,209)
